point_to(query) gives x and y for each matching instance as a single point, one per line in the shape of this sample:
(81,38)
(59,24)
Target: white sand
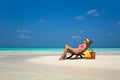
(37,65)
(105,62)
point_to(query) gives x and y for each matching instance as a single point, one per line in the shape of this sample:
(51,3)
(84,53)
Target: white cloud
(110,34)
(119,23)
(42,21)
(81,31)
(92,12)
(24,36)
(76,37)
(79,18)
(22,31)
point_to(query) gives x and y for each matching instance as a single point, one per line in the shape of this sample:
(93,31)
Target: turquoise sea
(114,51)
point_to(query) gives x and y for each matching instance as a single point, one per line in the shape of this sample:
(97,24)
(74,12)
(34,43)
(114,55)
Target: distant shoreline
(55,51)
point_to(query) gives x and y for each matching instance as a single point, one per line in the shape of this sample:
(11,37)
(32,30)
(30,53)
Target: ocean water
(99,51)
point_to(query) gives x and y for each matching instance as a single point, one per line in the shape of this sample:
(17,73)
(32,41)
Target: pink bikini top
(81,46)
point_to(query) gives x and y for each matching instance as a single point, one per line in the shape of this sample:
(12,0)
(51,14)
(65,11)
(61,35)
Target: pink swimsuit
(81,46)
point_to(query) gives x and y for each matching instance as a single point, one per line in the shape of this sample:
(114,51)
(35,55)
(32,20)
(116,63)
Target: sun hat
(87,40)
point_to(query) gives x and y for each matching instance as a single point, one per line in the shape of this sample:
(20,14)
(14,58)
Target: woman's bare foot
(61,58)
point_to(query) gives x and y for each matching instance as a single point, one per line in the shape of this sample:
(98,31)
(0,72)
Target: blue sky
(54,23)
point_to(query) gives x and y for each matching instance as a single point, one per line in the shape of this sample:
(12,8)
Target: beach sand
(48,67)
(104,62)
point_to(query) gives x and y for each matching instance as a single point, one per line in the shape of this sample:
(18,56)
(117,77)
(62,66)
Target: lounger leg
(81,56)
(69,56)
(76,56)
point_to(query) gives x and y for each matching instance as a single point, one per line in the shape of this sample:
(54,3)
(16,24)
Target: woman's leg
(67,48)
(64,53)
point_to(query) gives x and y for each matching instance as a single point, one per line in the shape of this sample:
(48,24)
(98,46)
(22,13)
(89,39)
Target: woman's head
(86,41)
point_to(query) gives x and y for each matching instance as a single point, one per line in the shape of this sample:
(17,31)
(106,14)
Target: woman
(74,50)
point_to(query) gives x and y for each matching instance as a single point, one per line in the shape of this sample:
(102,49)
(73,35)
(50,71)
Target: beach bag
(87,54)
(90,54)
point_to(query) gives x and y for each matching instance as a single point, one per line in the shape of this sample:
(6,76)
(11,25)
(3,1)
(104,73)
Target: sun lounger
(80,53)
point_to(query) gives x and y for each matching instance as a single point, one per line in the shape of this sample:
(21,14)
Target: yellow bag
(87,54)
